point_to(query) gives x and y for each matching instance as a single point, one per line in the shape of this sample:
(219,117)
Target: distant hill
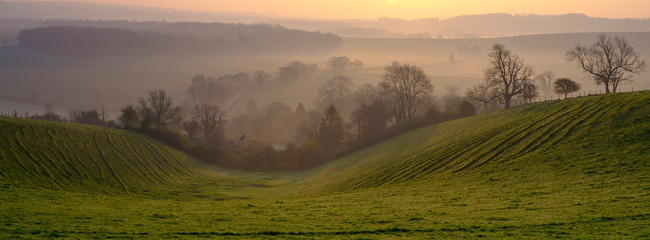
(606,134)
(69,40)
(508,25)
(81,157)
(97,11)
(468,26)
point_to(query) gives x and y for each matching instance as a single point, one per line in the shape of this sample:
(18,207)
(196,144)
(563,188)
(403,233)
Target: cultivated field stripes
(77,156)
(455,146)
(509,142)
(552,131)
(424,161)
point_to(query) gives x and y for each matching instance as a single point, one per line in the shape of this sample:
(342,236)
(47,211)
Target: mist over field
(149,121)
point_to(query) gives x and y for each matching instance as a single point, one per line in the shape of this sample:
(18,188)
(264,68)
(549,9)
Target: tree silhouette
(407,85)
(565,86)
(507,73)
(610,61)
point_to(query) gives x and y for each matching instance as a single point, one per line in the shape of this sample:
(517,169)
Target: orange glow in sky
(405,9)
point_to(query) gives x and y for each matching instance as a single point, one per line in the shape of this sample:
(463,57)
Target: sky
(405,9)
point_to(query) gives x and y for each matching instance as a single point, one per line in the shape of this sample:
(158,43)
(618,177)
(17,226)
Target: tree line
(610,61)
(92,41)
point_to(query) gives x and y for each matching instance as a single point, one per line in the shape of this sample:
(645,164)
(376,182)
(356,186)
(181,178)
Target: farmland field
(577,168)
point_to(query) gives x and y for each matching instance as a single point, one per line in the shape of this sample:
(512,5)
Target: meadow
(575,168)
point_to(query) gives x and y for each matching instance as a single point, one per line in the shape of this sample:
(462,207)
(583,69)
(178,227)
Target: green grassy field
(577,168)
(75,157)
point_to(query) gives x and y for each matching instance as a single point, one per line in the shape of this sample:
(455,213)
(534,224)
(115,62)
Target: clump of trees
(276,122)
(207,89)
(296,70)
(330,128)
(158,110)
(260,77)
(92,116)
(401,102)
(609,60)
(123,38)
(156,115)
(340,63)
(370,120)
(565,86)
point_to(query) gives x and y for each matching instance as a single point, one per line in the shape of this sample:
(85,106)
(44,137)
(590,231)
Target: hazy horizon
(402,9)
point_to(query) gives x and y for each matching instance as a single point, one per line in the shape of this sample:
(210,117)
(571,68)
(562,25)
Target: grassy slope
(75,156)
(576,168)
(591,135)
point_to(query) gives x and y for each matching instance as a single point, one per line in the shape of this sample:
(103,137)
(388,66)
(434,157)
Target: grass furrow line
(601,112)
(501,146)
(553,130)
(127,161)
(108,166)
(166,161)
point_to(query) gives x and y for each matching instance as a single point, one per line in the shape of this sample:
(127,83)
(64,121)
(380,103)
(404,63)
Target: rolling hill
(587,135)
(76,156)
(577,168)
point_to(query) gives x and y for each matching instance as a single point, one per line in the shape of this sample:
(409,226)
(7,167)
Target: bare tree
(158,108)
(209,118)
(367,93)
(408,86)
(507,72)
(565,86)
(339,63)
(336,88)
(610,61)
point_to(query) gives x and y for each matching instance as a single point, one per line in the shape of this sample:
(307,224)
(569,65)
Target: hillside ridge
(555,132)
(76,156)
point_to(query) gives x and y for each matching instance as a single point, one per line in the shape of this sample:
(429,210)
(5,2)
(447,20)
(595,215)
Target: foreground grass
(596,207)
(571,169)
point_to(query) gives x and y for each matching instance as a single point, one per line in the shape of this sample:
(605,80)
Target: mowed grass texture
(576,169)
